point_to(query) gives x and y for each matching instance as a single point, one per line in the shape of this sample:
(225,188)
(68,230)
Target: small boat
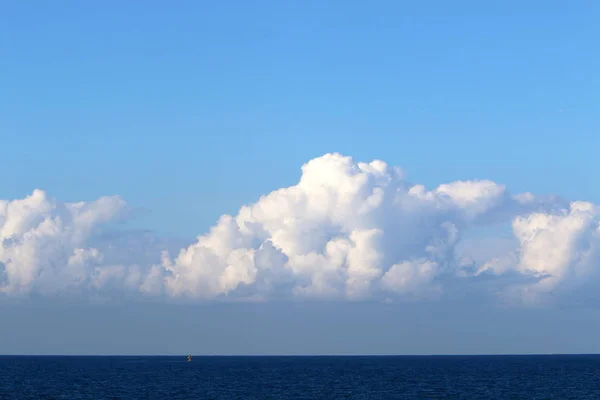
(190,358)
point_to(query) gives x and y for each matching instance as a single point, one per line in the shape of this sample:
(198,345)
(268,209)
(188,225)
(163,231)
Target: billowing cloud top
(346,230)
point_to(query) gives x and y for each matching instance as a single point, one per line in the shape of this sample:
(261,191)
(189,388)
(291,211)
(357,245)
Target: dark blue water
(481,377)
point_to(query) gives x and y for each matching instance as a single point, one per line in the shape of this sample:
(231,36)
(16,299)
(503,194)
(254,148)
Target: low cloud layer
(347,230)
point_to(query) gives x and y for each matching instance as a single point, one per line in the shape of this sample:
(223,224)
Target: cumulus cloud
(347,230)
(357,230)
(43,243)
(560,249)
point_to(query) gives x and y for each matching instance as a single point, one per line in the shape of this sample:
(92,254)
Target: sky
(299,177)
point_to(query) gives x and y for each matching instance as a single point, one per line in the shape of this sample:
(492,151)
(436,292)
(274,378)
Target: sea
(353,377)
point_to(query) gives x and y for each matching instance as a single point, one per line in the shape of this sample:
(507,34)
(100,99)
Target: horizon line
(303,355)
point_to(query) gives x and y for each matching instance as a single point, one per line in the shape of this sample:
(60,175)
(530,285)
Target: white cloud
(561,249)
(346,230)
(44,243)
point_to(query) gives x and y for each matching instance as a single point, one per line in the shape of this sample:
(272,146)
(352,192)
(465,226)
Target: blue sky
(294,329)
(190,110)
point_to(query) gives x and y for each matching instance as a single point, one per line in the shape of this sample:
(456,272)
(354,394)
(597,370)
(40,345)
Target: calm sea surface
(455,377)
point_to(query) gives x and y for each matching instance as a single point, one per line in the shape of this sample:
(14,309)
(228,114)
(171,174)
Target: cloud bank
(347,230)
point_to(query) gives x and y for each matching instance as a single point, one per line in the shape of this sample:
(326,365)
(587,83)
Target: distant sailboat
(190,358)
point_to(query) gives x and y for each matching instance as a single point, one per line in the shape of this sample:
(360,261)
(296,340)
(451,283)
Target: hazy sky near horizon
(299,178)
